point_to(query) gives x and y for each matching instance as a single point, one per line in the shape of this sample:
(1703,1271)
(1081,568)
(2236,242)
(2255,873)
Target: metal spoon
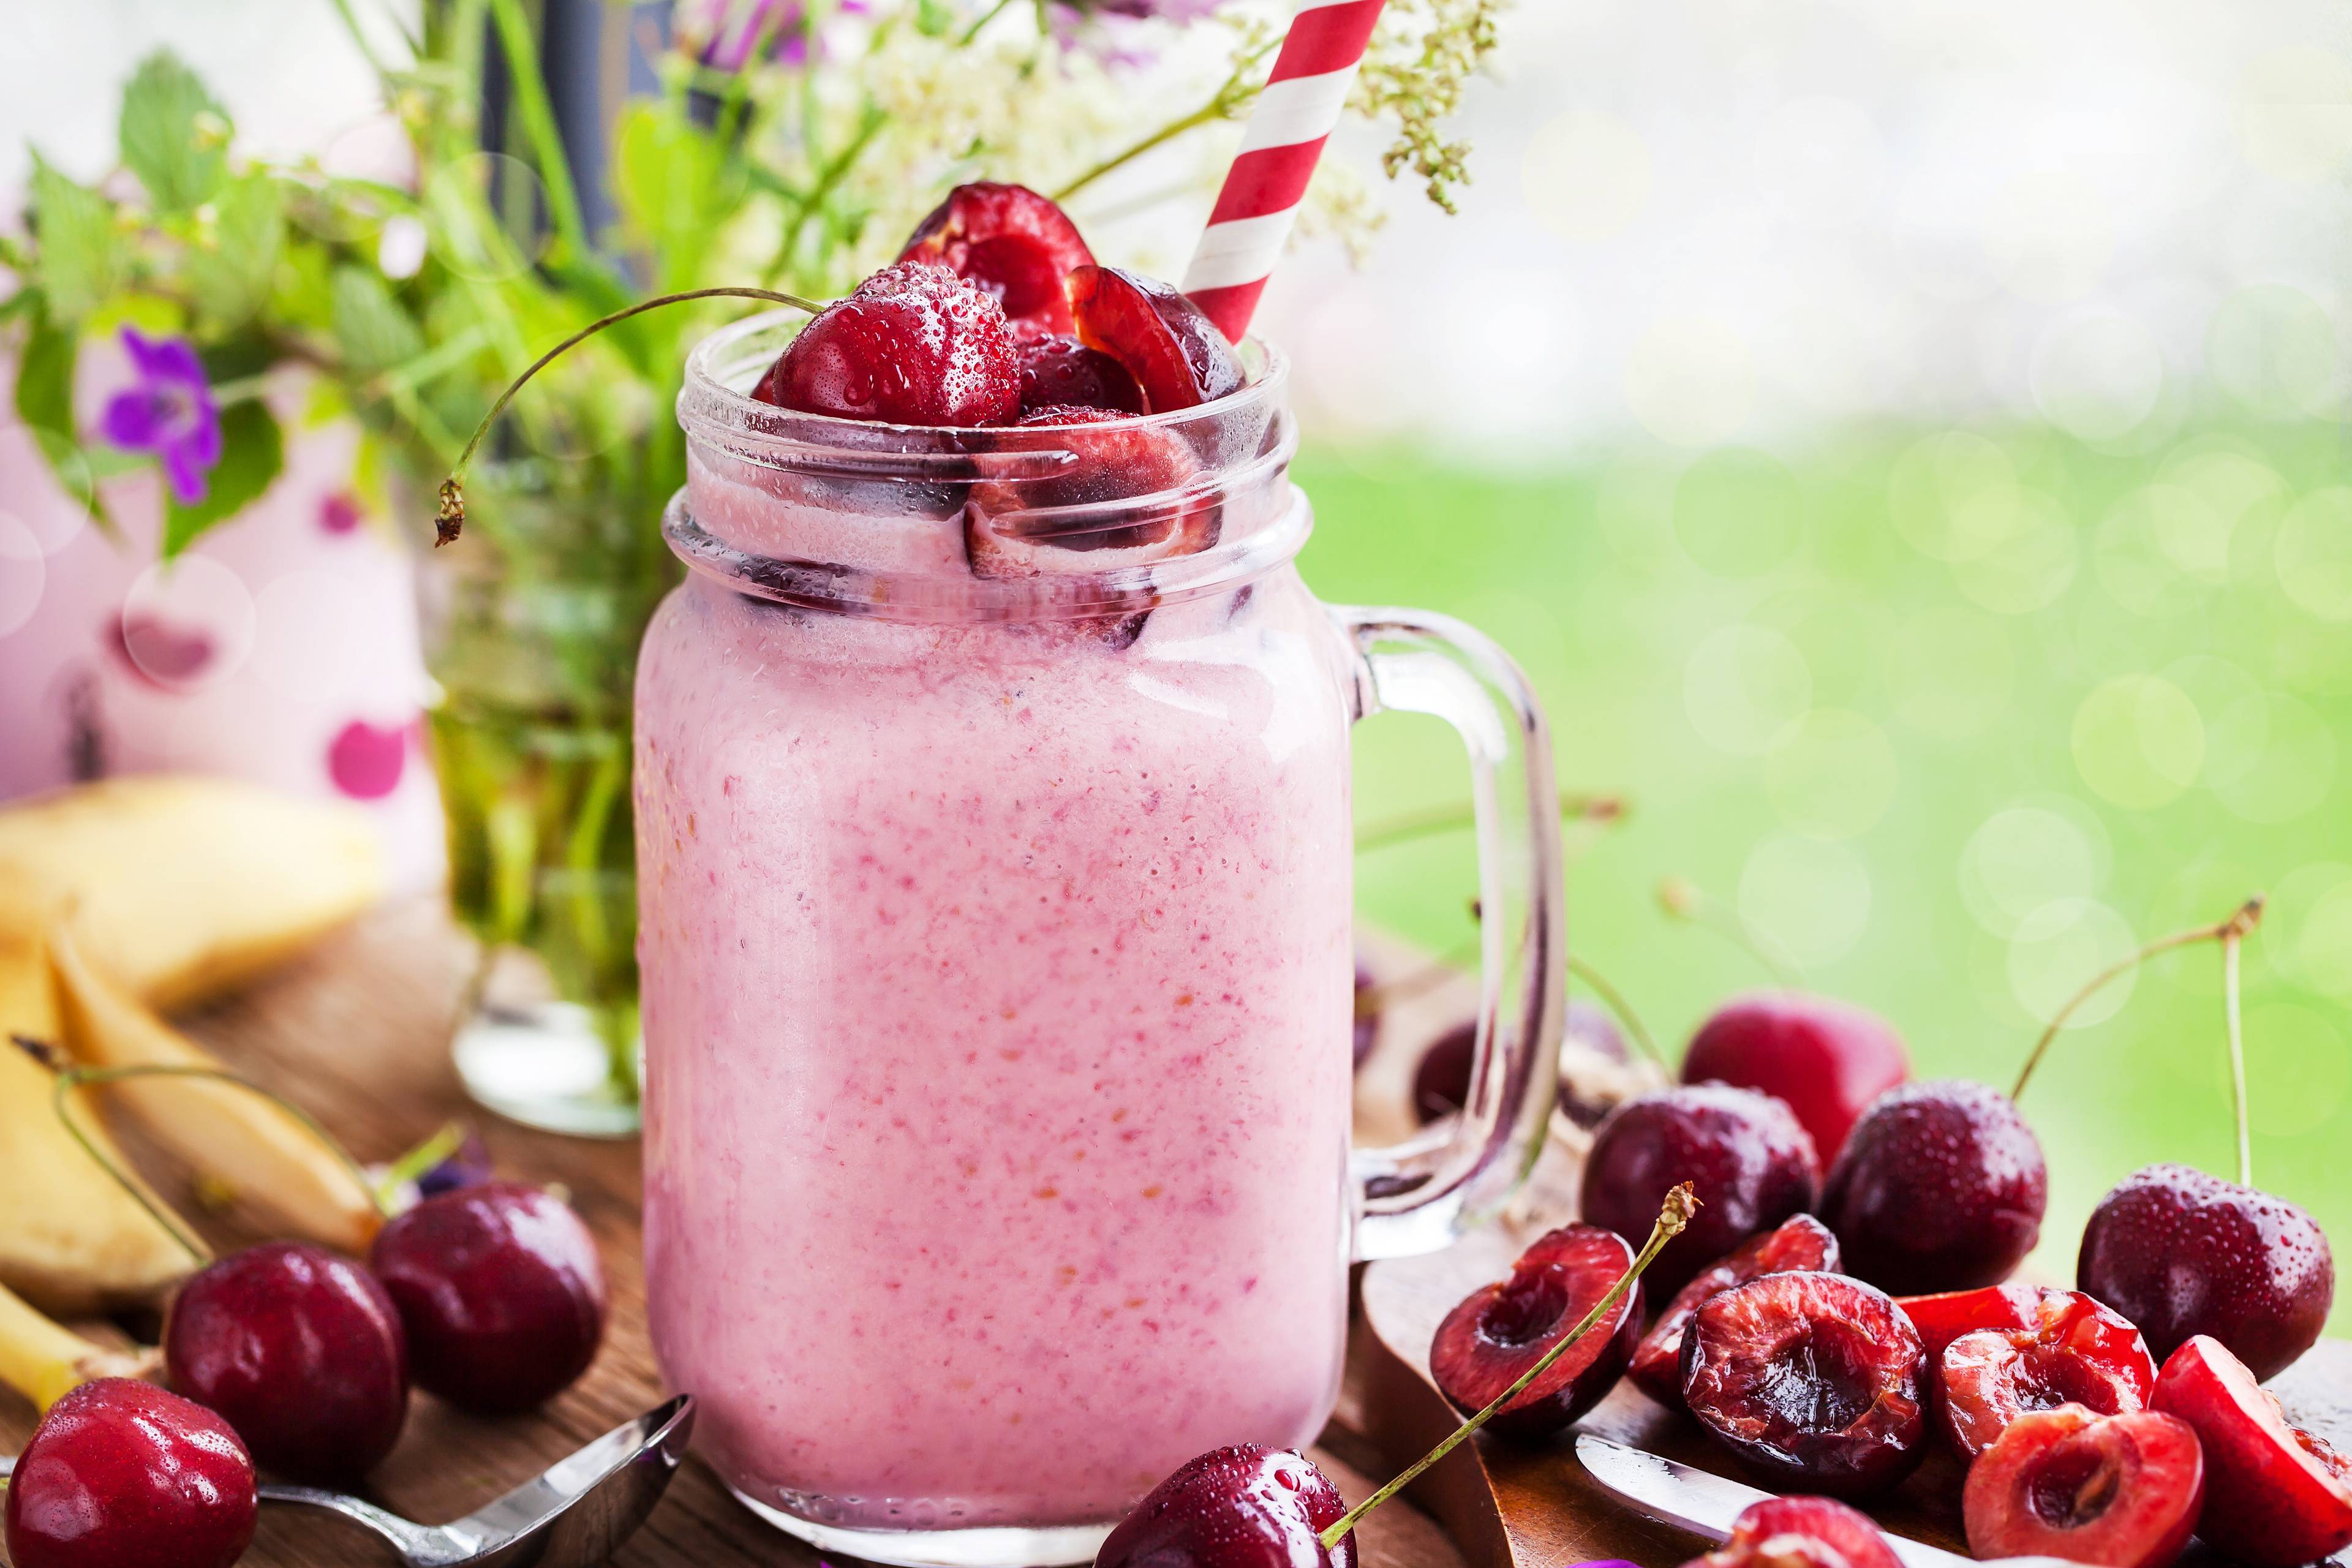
(573,1515)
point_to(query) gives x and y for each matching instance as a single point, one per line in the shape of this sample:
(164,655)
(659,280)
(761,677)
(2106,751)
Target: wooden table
(357,1032)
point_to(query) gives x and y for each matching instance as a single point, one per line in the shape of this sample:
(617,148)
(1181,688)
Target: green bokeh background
(1952,718)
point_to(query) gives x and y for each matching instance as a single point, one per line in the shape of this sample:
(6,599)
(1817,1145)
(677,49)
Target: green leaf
(230,269)
(932,18)
(252,452)
(175,133)
(44,373)
(80,258)
(370,329)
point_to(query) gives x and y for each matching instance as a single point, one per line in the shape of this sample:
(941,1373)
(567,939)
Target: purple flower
(1098,25)
(170,412)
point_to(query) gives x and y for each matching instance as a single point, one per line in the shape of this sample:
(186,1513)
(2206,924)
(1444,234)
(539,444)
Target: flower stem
(451,519)
(2227,931)
(1615,1000)
(1683,899)
(1680,1205)
(66,1080)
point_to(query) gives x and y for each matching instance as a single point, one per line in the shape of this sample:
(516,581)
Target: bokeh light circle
(2312,553)
(1952,672)
(2138,741)
(2022,859)
(1953,495)
(2293,763)
(188,622)
(1739,513)
(1586,175)
(2273,349)
(1810,897)
(1832,775)
(2160,547)
(2031,564)
(2058,948)
(1744,688)
(23,572)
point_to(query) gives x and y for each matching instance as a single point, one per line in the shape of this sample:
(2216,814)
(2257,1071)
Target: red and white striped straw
(1280,146)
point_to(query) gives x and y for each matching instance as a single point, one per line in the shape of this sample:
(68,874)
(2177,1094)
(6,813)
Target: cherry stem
(450,520)
(418,1161)
(2232,940)
(70,1077)
(2241,919)
(1680,1205)
(1614,1000)
(1409,826)
(1682,899)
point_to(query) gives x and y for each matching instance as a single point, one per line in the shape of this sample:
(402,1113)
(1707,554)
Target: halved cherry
(2075,1352)
(1127,498)
(2275,1496)
(1811,1379)
(2117,1490)
(1012,243)
(1948,1314)
(1799,1242)
(1802,1533)
(1174,353)
(1496,1333)
(914,345)
(1058,371)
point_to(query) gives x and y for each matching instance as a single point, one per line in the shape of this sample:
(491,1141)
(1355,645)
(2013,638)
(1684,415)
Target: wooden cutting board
(1515,1506)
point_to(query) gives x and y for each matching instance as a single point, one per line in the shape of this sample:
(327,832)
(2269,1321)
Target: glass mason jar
(533,638)
(996,902)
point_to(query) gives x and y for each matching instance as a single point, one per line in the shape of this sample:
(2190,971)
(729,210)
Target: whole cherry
(122,1474)
(298,1349)
(914,344)
(1828,1059)
(1941,1186)
(1749,1161)
(502,1292)
(1246,1506)
(2182,1253)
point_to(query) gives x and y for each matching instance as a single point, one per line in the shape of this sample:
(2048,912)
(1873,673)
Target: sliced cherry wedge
(1247,1506)
(1813,1380)
(914,345)
(1946,1315)
(2275,1496)
(1802,1533)
(1058,371)
(1173,351)
(1496,1333)
(1008,241)
(2075,1352)
(2117,1490)
(1800,1242)
(1128,500)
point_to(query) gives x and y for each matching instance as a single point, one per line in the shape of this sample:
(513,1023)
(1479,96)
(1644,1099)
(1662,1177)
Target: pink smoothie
(996,986)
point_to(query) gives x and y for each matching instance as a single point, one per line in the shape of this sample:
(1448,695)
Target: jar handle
(1418,1195)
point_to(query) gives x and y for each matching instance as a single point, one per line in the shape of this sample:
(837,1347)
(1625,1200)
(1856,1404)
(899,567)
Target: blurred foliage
(1952,718)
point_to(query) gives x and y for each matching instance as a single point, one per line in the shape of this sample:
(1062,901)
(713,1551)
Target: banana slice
(264,1153)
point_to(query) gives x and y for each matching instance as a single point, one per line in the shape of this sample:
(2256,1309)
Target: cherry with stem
(1680,1205)
(449,520)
